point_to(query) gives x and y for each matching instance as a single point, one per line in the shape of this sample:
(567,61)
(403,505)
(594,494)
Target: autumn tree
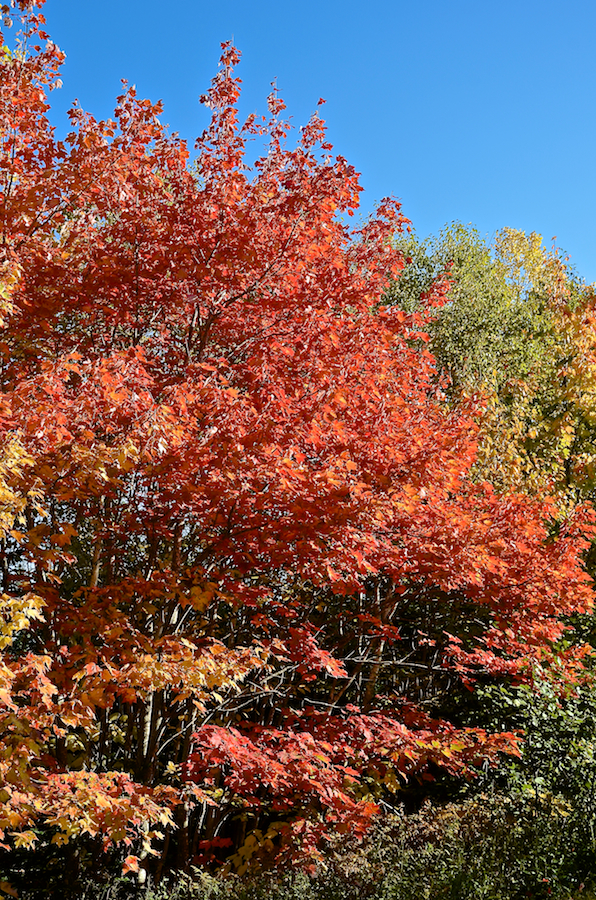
(227,479)
(515,326)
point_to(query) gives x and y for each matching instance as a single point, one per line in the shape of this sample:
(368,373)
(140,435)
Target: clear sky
(478,111)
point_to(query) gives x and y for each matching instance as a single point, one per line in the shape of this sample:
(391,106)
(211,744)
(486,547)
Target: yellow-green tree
(517,327)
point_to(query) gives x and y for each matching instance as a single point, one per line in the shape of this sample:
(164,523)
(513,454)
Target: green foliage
(518,328)
(492,847)
(558,760)
(495,327)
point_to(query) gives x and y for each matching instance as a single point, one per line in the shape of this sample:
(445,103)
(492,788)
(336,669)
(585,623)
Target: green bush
(491,847)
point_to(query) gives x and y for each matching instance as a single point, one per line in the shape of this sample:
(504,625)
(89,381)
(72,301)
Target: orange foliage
(236,482)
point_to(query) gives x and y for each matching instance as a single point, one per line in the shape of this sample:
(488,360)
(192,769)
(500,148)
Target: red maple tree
(239,532)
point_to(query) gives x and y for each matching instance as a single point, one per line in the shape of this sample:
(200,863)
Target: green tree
(496,324)
(512,324)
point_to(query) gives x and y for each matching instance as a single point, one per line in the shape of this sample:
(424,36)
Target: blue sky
(480,112)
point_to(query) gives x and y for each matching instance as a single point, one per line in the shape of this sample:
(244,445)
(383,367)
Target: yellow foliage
(9,279)
(191,673)
(13,497)
(25,839)
(528,265)
(16,614)
(536,434)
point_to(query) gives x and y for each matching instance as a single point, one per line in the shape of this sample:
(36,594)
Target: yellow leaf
(24,838)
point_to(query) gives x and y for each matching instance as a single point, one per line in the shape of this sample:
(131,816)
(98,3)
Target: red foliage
(236,484)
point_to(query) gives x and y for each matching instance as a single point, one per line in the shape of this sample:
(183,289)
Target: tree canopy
(243,538)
